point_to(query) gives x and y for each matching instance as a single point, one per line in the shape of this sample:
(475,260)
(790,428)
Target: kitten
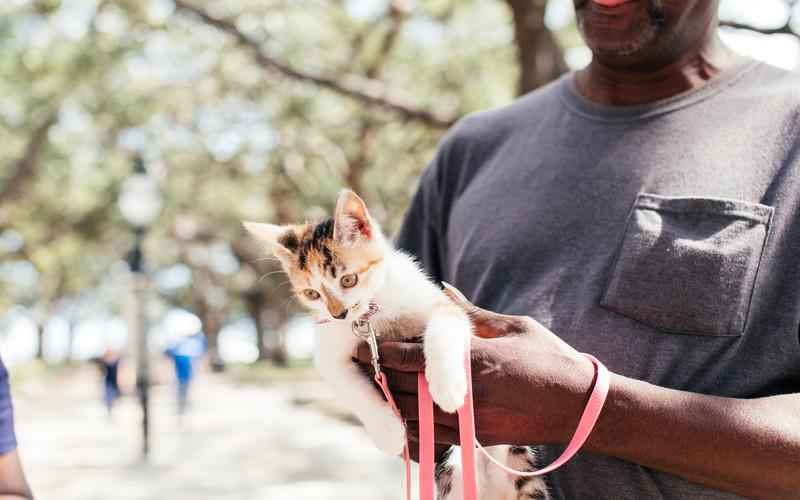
(339,267)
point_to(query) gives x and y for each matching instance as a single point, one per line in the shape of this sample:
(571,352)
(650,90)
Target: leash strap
(585,425)
(426,452)
(466,421)
(466,430)
(380,379)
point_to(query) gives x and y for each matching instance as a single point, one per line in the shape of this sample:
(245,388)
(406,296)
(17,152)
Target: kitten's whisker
(268,275)
(271,273)
(285,305)
(262,259)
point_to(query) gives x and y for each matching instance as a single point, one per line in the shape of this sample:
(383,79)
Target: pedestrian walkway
(237,443)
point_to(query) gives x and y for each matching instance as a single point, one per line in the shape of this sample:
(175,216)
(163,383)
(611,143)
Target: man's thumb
(454,293)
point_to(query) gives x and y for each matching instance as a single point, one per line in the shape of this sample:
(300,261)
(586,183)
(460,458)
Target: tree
(247,110)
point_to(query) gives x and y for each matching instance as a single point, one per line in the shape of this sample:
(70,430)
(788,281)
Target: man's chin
(618,32)
(622,51)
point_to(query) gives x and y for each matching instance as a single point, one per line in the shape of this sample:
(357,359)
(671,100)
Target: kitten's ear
(281,240)
(351,219)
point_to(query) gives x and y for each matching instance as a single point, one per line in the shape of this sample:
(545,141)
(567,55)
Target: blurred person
(183,354)
(646,210)
(109,367)
(13,485)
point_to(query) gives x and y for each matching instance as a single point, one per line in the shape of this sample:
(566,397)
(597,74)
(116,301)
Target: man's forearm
(749,447)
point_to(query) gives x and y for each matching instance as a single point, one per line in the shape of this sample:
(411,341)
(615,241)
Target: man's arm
(530,387)
(13,485)
(747,446)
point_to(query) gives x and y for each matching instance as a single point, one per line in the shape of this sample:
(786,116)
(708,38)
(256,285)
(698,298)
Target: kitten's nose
(341,315)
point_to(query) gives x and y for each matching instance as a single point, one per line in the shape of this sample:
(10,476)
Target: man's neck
(614,86)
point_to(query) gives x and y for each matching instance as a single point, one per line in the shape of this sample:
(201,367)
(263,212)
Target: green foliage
(227,136)
(233,125)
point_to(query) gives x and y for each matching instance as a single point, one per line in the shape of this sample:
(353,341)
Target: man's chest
(671,238)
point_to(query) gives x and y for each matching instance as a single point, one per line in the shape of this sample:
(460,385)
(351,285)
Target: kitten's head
(335,266)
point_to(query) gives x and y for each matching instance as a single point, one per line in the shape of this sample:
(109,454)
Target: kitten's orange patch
(335,306)
(369,265)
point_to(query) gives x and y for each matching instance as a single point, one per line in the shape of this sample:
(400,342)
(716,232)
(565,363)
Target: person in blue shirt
(13,485)
(183,354)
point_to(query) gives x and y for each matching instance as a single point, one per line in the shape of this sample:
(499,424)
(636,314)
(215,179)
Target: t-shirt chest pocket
(688,265)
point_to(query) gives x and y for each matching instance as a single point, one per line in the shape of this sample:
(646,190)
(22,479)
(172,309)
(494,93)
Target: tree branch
(25,167)
(786,29)
(372,92)
(539,56)
(398,12)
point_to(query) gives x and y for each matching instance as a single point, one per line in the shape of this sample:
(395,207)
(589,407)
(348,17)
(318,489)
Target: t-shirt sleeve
(423,232)
(8,439)
(419,232)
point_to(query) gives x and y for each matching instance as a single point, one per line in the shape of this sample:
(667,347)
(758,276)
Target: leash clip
(363,330)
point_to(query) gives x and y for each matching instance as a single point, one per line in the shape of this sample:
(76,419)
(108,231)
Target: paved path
(238,443)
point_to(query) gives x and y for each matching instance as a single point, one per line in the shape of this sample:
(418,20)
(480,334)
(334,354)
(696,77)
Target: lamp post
(140,203)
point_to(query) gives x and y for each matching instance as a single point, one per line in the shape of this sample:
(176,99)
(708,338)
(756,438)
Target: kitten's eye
(311,294)
(349,280)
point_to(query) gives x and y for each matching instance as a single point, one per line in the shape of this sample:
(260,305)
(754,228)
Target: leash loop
(362,328)
(364,331)
(466,419)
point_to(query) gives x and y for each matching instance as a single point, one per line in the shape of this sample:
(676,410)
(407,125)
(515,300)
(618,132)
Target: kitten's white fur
(403,292)
(406,292)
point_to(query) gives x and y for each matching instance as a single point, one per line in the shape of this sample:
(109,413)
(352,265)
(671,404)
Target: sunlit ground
(239,442)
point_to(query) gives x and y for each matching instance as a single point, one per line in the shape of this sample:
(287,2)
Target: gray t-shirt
(664,239)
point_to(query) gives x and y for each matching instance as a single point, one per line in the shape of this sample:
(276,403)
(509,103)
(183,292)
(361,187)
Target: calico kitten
(340,266)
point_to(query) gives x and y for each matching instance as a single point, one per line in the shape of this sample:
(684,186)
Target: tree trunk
(256,302)
(210,316)
(70,339)
(279,352)
(212,324)
(40,340)
(540,58)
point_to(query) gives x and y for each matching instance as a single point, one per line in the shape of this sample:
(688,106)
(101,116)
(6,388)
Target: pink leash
(380,379)
(466,423)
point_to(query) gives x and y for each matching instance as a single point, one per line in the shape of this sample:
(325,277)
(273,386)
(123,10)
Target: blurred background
(137,134)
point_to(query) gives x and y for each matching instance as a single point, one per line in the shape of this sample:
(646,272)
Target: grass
(43,372)
(301,376)
(267,373)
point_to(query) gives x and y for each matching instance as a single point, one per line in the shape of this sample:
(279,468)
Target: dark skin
(531,387)
(649,50)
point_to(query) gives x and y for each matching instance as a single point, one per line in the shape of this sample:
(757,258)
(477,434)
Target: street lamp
(140,203)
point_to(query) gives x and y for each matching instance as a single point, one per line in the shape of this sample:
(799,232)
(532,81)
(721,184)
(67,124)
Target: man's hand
(528,385)
(530,388)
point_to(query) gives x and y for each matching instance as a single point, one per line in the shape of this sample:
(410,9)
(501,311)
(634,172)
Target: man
(13,485)
(645,210)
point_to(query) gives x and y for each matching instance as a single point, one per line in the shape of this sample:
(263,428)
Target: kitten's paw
(448,390)
(388,433)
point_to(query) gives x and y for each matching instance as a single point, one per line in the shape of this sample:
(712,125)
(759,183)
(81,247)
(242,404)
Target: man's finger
(488,324)
(438,450)
(405,382)
(409,408)
(402,356)
(454,293)
(443,436)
